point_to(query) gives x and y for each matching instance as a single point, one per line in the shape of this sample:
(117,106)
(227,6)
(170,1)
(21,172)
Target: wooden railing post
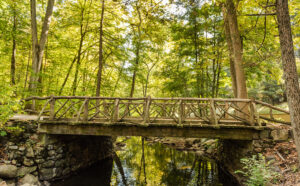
(226,109)
(115,113)
(271,113)
(256,114)
(213,114)
(147,110)
(52,108)
(86,110)
(252,113)
(180,112)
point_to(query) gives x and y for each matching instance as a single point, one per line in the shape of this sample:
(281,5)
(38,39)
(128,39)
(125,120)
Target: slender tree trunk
(99,75)
(27,69)
(137,53)
(78,61)
(67,76)
(38,46)
(237,50)
(289,68)
(120,168)
(14,50)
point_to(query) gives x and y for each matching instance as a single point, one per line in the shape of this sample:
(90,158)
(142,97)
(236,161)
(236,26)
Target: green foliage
(257,170)
(9,105)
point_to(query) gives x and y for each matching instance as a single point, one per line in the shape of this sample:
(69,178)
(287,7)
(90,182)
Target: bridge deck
(237,119)
(234,132)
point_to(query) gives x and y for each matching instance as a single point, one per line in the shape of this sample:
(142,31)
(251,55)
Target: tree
(236,43)
(289,68)
(100,67)
(14,48)
(38,46)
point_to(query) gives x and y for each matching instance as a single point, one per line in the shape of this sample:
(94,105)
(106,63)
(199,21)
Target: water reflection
(154,164)
(144,163)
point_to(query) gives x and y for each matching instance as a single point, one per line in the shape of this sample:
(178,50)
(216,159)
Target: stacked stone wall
(37,159)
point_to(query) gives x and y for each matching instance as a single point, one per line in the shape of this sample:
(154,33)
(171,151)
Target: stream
(138,162)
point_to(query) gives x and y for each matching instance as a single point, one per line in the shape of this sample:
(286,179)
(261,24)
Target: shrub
(257,170)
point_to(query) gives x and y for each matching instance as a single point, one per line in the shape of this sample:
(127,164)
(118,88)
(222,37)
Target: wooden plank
(42,111)
(213,114)
(147,110)
(86,110)
(52,108)
(271,106)
(256,114)
(252,113)
(115,114)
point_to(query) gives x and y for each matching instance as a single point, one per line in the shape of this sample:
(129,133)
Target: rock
(29,152)
(25,170)
(10,183)
(257,144)
(50,147)
(14,162)
(60,150)
(264,134)
(14,147)
(8,171)
(21,148)
(45,183)
(209,150)
(28,162)
(3,183)
(47,174)
(209,142)
(39,161)
(60,163)
(66,171)
(29,179)
(269,158)
(280,135)
(51,152)
(48,164)
(258,150)
(59,156)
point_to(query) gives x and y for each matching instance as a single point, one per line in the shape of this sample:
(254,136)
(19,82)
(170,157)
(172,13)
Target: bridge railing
(150,110)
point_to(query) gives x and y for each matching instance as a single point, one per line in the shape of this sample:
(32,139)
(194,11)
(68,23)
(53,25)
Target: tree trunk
(14,49)
(137,54)
(289,68)
(82,34)
(237,50)
(230,49)
(38,47)
(99,75)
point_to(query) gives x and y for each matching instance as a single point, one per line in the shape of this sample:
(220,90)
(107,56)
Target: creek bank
(37,159)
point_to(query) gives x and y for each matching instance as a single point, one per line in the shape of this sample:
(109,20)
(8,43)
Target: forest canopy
(162,48)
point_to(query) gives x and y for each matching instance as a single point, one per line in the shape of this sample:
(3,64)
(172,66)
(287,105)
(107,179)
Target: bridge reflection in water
(151,164)
(179,117)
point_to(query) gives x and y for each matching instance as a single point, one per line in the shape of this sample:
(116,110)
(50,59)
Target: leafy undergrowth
(286,162)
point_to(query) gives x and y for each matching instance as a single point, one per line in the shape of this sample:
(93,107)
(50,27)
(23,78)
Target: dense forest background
(144,47)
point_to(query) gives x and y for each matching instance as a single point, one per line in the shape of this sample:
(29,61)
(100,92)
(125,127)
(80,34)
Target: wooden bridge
(180,117)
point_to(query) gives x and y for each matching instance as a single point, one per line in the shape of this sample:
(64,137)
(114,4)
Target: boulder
(25,170)
(28,162)
(47,174)
(8,171)
(29,179)
(280,135)
(29,152)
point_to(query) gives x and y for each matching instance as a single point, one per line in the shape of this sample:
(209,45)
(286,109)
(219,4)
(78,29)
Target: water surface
(144,163)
